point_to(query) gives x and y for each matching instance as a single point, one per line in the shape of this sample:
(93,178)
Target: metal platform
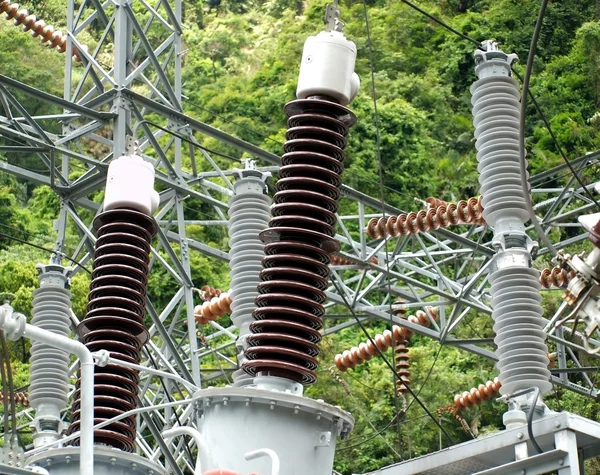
(566,440)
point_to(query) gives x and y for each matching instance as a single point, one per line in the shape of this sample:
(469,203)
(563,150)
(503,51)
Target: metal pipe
(265,453)
(15,325)
(196,436)
(103,358)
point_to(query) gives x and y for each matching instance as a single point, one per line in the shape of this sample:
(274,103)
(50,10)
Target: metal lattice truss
(103,105)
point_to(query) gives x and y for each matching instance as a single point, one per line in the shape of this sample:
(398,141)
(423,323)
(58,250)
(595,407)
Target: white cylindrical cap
(327,68)
(130,184)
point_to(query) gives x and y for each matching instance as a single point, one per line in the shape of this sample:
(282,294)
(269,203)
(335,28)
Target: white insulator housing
(130,184)
(327,68)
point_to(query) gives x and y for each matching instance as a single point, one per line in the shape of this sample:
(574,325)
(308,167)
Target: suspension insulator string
(431,219)
(207,292)
(339,260)
(215,308)
(556,277)
(362,353)
(38,28)
(21,398)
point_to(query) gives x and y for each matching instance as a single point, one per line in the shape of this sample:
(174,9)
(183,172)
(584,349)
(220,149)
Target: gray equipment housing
(301,431)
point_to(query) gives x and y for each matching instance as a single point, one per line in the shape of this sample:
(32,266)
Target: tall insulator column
(515,291)
(249,215)
(49,370)
(115,313)
(300,237)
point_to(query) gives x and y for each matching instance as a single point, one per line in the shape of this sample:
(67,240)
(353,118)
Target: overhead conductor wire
(522,161)
(382,198)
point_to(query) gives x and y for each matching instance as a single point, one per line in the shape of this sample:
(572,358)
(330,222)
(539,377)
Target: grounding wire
(379,432)
(442,23)
(387,363)
(221,116)
(5,396)
(62,254)
(530,421)
(169,398)
(186,140)
(555,140)
(11,387)
(522,160)
(381,191)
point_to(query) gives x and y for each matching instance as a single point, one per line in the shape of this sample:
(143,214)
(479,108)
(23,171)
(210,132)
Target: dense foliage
(240,68)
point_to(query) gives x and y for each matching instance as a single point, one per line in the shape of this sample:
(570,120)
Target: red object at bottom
(225,472)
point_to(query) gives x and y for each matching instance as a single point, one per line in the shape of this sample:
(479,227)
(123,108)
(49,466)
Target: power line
(41,248)
(387,363)
(442,23)
(186,140)
(221,116)
(522,161)
(555,140)
(381,187)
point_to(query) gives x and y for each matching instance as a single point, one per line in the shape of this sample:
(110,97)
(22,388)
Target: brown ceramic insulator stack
(299,243)
(215,308)
(18,398)
(431,219)
(38,28)
(477,395)
(555,277)
(337,260)
(357,355)
(402,360)
(115,321)
(207,292)
(432,202)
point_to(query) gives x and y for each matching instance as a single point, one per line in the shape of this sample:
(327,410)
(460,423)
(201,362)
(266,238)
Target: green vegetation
(240,69)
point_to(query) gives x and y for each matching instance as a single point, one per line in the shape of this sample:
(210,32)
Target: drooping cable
(522,161)
(27,243)
(381,190)
(555,141)
(11,388)
(387,363)
(530,421)
(441,23)
(6,396)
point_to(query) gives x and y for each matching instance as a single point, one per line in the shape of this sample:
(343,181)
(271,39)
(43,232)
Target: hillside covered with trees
(240,68)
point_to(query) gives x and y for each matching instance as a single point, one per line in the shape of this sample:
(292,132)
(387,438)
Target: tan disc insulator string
(357,355)
(207,292)
(216,307)
(38,28)
(555,277)
(431,219)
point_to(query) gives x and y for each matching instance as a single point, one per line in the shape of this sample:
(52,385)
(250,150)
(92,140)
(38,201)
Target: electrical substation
(292,258)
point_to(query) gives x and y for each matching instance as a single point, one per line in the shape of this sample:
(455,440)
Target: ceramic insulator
(49,370)
(213,309)
(464,212)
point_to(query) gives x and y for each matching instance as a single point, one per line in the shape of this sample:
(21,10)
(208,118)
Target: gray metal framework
(142,89)
(565,439)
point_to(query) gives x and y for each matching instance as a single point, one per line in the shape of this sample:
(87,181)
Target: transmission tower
(443,263)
